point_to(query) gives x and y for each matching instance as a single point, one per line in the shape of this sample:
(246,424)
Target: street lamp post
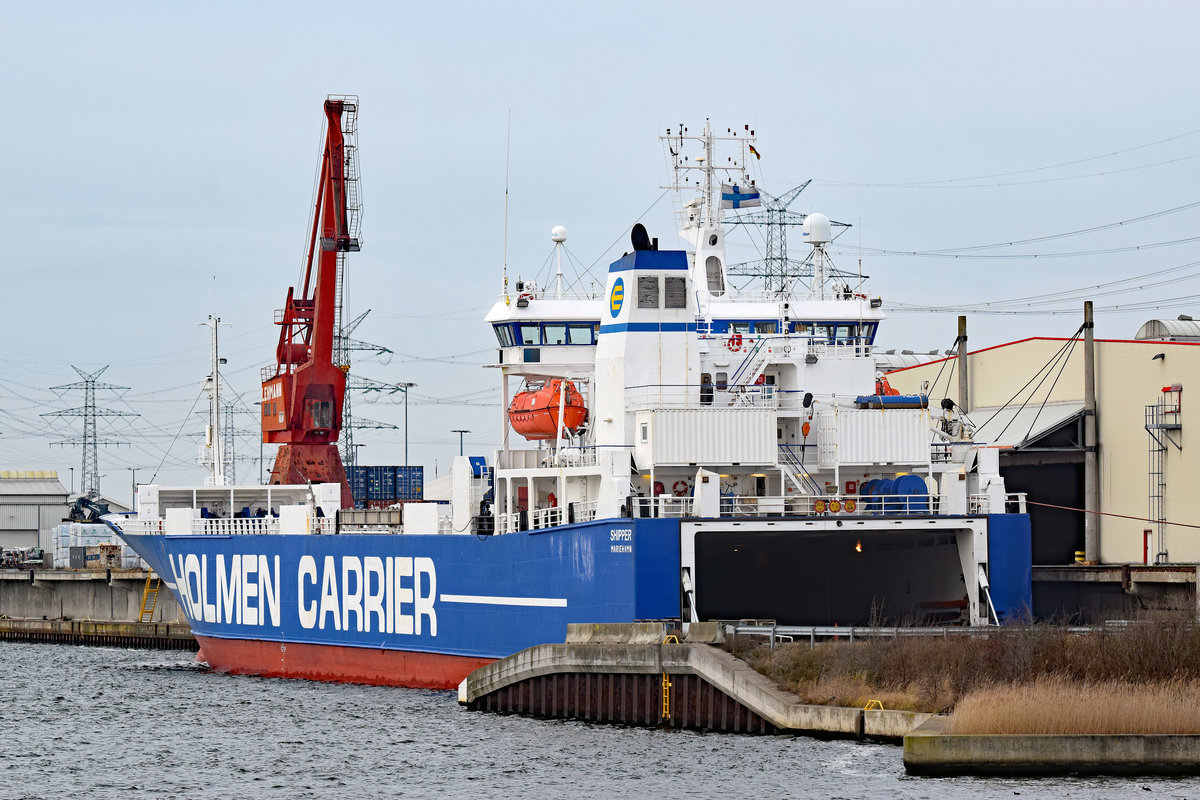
(404,387)
(460,439)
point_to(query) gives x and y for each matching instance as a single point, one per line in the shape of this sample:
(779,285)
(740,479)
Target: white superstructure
(702,394)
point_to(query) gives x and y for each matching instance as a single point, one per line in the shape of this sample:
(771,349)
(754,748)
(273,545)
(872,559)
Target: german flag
(754,152)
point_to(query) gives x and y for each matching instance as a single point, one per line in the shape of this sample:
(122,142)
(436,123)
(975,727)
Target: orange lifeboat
(534,412)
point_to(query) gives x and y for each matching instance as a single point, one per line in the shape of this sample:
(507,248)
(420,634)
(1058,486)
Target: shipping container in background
(380,486)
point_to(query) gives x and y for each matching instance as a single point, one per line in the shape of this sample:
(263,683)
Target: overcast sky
(158,163)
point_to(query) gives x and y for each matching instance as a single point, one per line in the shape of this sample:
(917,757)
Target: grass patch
(1160,651)
(1056,705)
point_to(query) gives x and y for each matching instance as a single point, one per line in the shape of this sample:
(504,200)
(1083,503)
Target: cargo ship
(675,448)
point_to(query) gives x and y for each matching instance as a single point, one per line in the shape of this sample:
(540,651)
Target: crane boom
(304,390)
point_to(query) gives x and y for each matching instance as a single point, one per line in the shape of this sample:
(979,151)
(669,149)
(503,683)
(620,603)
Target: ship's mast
(706,186)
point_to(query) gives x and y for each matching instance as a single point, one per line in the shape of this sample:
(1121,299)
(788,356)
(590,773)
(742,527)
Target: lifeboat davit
(534,412)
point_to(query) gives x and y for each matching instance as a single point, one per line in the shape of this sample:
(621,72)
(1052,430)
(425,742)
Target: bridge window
(739,327)
(505,335)
(529,333)
(579,334)
(845,333)
(764,327)
(554,333)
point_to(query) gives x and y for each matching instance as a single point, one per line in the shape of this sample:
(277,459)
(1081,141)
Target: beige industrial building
(1148,476)
(32,503)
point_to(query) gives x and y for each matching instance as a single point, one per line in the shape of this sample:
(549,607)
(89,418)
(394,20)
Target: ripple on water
(113,723)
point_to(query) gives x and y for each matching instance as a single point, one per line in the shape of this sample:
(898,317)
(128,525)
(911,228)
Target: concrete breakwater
(636,675)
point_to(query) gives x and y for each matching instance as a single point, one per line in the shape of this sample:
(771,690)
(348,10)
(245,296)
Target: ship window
(722,380)
(675,292)
(647,291)
(716,281)
(529,333)
(645,432)
(739,327)
(822,331)
(868,332)
(764,327)
(706,389)
(554,333)
(505,335)
(845,334)
(579,334)
(800,327)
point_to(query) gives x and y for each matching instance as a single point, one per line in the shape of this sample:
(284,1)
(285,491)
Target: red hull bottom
(319,662)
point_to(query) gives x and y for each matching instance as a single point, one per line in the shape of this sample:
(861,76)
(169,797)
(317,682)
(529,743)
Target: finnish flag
(735,197)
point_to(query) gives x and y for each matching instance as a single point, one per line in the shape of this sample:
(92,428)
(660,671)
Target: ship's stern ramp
(907,570)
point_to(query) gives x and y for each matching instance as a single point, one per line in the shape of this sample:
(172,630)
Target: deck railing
(225,526)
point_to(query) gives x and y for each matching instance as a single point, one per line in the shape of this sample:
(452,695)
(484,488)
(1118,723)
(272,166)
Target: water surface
(114,723)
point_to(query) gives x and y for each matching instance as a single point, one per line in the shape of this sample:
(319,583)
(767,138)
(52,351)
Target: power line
(1030,169)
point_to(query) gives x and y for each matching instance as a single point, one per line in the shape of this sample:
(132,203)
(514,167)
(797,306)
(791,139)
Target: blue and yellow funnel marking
(617,297)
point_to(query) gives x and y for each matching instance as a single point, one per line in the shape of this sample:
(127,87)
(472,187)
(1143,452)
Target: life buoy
(734,343)
(552,500)
(680,488)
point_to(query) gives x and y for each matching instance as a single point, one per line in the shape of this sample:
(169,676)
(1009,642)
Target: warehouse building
(32,503)
(1027,398)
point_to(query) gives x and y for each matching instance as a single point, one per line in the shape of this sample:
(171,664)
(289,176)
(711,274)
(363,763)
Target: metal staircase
(149,597)
(793,467)
(752,365)
(1162,420)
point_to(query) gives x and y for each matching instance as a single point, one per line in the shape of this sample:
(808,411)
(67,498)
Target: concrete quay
(59,594)
(88,608)
(148,635)
(637,675)
(928,750)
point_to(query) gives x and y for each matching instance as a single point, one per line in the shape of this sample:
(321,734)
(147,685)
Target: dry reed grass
(1057,705)
(935,674)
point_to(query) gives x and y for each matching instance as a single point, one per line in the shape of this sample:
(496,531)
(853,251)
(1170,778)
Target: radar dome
(817,229)
(559,234)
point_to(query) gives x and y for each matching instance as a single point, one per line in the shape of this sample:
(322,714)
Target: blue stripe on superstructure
(619,266)
(650,259)
(647,327)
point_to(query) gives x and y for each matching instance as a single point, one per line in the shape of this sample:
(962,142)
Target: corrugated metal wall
(19,517)
(865,436)
(712,436)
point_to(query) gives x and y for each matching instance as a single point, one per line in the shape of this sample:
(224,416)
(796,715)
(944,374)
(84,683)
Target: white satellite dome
(817,229)
(559,234)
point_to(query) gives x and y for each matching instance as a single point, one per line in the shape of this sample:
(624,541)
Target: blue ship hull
(409,609)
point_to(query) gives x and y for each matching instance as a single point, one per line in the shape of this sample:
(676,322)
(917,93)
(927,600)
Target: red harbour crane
(304,390)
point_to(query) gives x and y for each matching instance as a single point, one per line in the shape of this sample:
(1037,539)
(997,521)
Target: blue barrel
(869,504)
(884,489)
(913,494)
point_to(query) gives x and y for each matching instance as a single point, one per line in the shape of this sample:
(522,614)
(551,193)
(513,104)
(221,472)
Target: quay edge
(615,677)
(929,751)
